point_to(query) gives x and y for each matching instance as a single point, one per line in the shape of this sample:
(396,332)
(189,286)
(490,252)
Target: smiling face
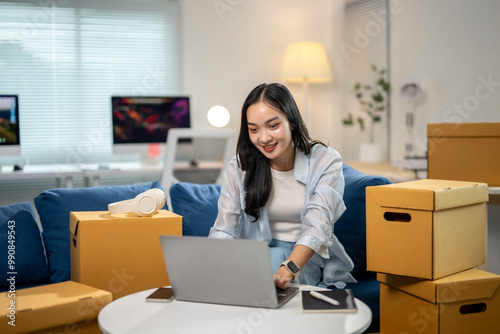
(271,133)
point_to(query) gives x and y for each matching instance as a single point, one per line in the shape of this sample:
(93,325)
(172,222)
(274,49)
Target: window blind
(65,59)
(366,42)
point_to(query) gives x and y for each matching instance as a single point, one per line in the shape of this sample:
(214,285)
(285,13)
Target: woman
(283,188)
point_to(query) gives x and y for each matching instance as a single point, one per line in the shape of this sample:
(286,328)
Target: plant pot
(371,152)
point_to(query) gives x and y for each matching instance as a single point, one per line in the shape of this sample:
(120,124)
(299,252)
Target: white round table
(132,314)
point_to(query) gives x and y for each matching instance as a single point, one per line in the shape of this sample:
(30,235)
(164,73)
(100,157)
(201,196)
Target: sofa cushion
(350,229)
(197,204)
(54,207)
(21,239)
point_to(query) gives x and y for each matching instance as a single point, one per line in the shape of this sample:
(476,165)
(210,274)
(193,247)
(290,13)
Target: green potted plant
(373,102)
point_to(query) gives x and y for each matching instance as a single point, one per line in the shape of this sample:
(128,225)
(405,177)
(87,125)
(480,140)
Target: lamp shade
(305,62)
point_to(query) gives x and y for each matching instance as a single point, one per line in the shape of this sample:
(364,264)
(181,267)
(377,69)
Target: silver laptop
(222,271)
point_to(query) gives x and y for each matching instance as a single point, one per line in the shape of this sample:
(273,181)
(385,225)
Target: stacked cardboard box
(464,151)
(66,307)
(424,238)
(120,253)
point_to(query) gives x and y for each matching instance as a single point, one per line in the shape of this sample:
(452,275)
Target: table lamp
(305,62)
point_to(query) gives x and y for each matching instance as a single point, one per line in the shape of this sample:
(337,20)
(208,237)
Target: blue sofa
(43,257)
(198,206)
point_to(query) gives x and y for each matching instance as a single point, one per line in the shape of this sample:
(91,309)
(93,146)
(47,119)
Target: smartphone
(162,295)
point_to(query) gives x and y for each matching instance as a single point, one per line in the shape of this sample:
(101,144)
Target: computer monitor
(140,123)
(10,143)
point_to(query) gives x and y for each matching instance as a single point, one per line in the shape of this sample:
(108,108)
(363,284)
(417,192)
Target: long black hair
(258,178)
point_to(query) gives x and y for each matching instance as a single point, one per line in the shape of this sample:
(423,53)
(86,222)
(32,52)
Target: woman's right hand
(282,278)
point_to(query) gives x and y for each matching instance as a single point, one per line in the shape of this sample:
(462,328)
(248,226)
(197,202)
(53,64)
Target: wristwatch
(292,267)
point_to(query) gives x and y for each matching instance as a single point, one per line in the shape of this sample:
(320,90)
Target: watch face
(293,267)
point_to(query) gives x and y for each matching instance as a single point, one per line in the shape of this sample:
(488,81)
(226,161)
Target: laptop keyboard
(280,293)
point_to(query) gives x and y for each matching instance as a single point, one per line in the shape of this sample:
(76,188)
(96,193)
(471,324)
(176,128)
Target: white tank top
(285,203)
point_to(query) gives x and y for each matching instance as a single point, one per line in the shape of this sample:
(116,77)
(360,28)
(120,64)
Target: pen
(324,298)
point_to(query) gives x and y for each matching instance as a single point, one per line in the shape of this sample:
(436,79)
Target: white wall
(230,50)
(449,48)
(444,46)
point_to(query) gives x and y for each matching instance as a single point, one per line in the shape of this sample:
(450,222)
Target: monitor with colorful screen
(142,121)
(10,142)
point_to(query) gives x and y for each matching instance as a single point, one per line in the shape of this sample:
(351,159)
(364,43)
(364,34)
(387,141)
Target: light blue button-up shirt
(321,172)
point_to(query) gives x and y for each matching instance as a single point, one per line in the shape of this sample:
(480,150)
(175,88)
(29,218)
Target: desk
(132,314)
(57,171)
(494,193)
(92,173)
(385,169)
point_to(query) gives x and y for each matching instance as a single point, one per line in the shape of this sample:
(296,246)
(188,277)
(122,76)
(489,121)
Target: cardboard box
(70,306)
(464,151)
(467,302)
(426,228)
(120,253)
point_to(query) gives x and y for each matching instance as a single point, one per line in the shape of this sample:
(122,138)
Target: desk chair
(174,135)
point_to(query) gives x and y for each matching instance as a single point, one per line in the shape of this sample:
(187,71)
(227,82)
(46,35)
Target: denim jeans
(310,274)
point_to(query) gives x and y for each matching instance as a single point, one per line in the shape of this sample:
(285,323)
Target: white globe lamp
(218,116)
